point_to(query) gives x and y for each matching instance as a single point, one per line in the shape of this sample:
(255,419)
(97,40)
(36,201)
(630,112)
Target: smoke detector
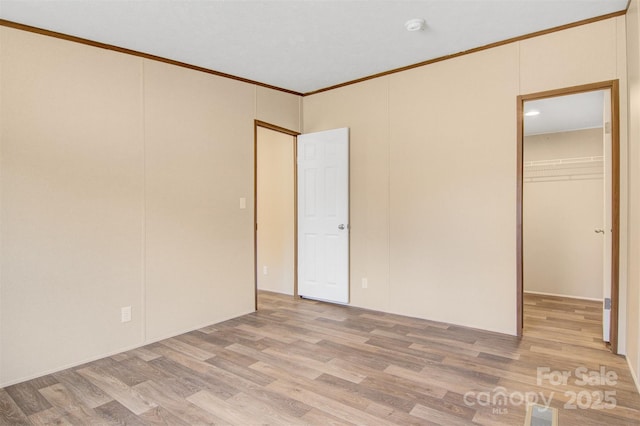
(416,24)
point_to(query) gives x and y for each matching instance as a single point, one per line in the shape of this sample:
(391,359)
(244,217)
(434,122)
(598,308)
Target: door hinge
(607,303)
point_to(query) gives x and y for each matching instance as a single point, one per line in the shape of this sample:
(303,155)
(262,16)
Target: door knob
(599,231)
(341,226)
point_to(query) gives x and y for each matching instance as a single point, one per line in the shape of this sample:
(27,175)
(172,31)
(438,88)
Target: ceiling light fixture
(417,24)
(532,113)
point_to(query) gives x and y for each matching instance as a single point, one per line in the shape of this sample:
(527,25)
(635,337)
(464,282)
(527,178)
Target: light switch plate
(243,203)
(125,314)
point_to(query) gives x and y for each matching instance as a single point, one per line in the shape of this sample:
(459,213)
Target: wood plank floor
(565,320)
(297,362)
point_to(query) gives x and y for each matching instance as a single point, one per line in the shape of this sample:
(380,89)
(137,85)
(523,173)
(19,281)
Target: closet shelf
(564,161)
(577,168)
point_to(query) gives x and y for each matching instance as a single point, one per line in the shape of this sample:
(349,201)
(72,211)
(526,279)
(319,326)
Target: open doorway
(568,211)
(275,210)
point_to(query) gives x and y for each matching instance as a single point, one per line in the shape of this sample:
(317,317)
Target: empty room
(320,212)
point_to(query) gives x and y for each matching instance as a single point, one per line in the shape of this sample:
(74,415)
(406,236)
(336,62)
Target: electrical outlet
(265,270)
(365,283)
(125,314)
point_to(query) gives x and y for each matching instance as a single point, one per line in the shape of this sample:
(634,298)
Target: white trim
(563,295)
(634,374)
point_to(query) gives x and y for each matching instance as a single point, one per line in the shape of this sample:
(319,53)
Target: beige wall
(198,163)
(562,207)
(72,185)
(433,171)
(576,143)
(279,108)
(120,186)
(275,204)
(452,198)
(633,299)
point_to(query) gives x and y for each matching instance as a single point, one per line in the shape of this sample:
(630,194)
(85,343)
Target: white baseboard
(634,374)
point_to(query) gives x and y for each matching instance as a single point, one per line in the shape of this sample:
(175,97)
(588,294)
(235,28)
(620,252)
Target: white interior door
(607,225)
(323,215)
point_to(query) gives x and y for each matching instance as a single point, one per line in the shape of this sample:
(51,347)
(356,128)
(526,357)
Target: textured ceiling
(300,45)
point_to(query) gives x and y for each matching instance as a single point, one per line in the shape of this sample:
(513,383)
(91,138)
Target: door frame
(613,86)
(294,134)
